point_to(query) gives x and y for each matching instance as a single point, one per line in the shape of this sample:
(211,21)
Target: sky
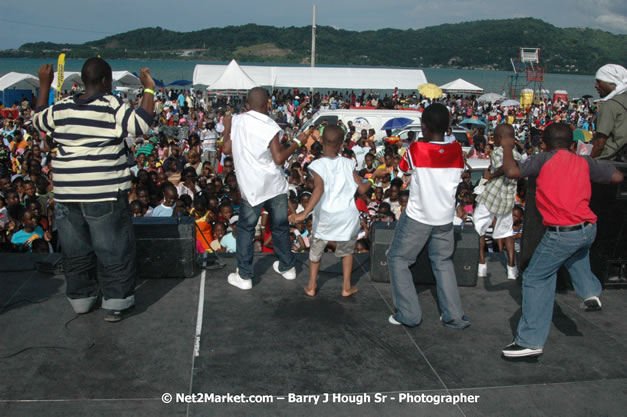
(78,21)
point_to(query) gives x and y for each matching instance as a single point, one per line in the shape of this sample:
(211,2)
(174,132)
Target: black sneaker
(516,351)
(113,316)
(592,304)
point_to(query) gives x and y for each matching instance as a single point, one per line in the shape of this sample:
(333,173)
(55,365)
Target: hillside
(484,44)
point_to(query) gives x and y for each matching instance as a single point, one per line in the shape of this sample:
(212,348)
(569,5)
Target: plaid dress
(500,192)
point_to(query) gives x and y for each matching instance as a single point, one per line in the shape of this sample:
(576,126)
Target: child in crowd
(166,208)
(22,239)
(228,241)
(335,216)
(204,218)
(219,230)
(137,209)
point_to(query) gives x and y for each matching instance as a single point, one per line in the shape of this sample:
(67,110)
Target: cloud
(616,22)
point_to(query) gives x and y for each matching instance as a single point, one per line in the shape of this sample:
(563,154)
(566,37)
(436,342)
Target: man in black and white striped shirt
(91,181)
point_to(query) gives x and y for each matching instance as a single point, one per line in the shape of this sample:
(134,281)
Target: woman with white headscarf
(610,141)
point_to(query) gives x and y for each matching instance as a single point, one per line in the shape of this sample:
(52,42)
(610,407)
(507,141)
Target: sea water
(168,71)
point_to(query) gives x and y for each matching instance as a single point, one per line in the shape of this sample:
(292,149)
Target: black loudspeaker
(608,254)
(166,247)
(465,256)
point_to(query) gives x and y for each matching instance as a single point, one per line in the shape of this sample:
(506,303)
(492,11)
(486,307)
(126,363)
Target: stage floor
(276,341)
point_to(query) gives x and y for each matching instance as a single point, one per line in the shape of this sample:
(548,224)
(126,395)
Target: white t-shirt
(336,217)
(261,179)
(435,169)
(360,154)
(208,138)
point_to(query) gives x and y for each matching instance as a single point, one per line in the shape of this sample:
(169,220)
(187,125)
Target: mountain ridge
(481,44)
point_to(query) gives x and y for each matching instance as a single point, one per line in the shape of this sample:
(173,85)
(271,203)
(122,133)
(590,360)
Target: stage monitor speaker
(608,254)
(465,256)
(166,247)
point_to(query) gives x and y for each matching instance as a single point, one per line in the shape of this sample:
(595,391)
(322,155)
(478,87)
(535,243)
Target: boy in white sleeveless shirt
(332,201)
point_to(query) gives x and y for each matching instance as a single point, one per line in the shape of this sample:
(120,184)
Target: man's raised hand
(46,75)
(146,79)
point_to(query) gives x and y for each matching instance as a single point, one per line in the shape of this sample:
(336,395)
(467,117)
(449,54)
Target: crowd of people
(178,168)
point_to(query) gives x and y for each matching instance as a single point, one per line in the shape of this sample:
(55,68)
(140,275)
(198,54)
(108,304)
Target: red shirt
(564,185)
(361,205)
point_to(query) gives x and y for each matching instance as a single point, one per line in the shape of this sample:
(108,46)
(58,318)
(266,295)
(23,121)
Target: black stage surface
(275,340)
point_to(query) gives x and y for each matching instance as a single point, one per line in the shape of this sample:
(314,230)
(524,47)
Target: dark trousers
(98,250)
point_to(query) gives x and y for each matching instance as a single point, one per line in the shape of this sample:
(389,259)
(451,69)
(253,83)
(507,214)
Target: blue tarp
(11,96)
(180,83)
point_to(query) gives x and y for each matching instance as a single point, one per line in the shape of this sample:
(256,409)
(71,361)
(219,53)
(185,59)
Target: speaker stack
(166,247)
(465,256)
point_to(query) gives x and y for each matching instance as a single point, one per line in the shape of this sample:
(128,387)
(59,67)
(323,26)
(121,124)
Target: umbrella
(580,135)
(430,90)
(396,123)
(475,122)
(510,102)
(490,98)
(586,96)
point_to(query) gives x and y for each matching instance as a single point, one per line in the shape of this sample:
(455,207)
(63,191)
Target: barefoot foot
(349,292)
(310,291)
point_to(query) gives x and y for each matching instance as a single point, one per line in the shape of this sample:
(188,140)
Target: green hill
(485,44)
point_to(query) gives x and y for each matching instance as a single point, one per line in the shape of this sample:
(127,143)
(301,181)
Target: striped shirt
(91,162)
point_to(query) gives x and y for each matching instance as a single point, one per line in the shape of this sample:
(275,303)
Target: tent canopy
(69,78)
(125,79)
(233,78)
(461,86)
(318,77)
(19,81)
(120,79)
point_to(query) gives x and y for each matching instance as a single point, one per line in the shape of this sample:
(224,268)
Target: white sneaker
(235,280)
(591,304)
(512,272)
(290,274)
(482,271)
(393,321)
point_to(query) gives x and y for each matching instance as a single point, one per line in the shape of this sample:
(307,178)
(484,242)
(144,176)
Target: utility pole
(313,38)
(313,43)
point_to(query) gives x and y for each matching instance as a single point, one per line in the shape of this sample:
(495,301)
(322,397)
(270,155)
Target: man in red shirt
(563,199)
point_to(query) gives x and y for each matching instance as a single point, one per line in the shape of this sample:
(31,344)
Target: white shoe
(591,304)
(482,271)
(235,280)
(290,274)
(393,321)
(512,272)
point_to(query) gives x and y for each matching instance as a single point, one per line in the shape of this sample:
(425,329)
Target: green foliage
(480,44)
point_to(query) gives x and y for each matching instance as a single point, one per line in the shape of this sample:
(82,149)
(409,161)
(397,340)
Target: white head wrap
(615,74)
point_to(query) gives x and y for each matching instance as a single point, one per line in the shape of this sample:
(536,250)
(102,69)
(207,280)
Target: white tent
(19,81)
(233,78)
(461,86)
(125,79)
(69,78)
(120,79)
(318,77)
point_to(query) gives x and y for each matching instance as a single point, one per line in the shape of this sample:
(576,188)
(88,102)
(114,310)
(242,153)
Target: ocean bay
(168,71)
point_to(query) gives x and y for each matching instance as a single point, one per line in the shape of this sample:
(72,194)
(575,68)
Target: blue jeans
(410,237)
(555,249)
(98,251)
(248,218)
